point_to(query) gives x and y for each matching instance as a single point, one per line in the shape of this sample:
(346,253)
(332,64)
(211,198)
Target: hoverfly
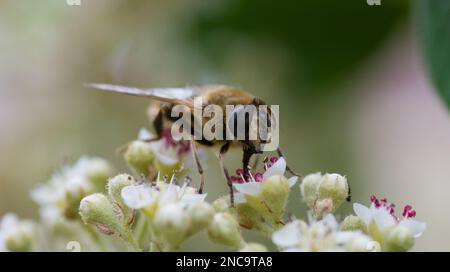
(219,95)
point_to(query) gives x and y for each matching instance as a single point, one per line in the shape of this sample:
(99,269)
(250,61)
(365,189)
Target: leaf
(325,39)
(433,17)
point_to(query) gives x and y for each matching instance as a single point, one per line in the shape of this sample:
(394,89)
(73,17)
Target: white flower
(15,233)
(254,185)
(382,214)
(322,235)
(139,196)
(146,195)
(84,177)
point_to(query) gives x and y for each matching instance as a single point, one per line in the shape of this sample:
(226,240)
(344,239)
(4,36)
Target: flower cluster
(157,208)
(320,235)
(61,195)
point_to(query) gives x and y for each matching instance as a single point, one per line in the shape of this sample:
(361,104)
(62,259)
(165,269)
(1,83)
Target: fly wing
(182,96)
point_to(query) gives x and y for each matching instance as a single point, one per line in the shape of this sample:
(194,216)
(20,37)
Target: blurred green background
(353,91)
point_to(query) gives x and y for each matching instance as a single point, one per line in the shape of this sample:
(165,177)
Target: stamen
(187,180)
(172,179)
(258,177)
(251,176)
(375,201)
(242,176)
(408,211)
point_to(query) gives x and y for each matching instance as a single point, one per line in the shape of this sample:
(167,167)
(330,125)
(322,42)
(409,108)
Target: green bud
(115,186)
(399,238)
(309,188)
(317,191)
(275,192)
(335,187)
(173,224)
(139,156)
(224,229)
(96,209)
(201,214)
(253,247)
(248,217)
(353,223)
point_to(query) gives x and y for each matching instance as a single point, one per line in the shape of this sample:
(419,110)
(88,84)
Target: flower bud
(96,209)
(224,229)
(139,156)
(353,223)
(115,186)
(324,194)
(253,247)
(310,188)
(399,238)
(201,214)
(172,223)
(334,186)
(275,192)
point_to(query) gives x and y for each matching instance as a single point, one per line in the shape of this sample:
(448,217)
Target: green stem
(131,243)
(142,229)
(96,238)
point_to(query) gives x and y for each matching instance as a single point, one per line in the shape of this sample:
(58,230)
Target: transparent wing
(182,96)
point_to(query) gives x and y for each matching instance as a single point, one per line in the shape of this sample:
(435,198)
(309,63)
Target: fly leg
(222,152)
(199,166)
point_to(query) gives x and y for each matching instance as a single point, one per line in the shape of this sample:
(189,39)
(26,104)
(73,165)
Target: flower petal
(383,218)
(249,188)
(166,159)
(362,212)
(330,222)
(292,180)
(287,236)
(144,134)
(416,227)
(139,196)
(193,198)
(277,169)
